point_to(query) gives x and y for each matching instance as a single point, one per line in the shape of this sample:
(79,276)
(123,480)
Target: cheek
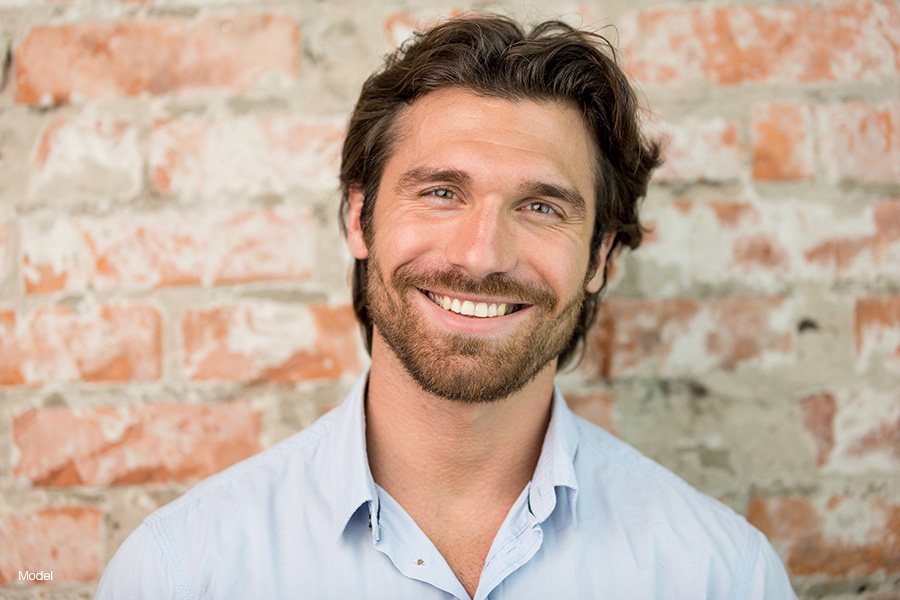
(561,267)
(403,240)
(566,247)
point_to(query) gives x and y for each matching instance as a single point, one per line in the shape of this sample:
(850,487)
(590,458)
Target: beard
(463,367)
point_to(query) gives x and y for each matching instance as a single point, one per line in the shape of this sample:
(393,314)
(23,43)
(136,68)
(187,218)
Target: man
(487,175)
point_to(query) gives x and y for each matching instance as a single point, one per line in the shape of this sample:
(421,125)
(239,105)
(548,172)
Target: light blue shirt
(305,519)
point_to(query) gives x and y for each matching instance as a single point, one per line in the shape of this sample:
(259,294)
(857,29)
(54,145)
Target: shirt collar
(556,465)
(354,485)
(351,476)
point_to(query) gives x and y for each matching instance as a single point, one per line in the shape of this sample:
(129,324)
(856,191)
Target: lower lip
(470,324)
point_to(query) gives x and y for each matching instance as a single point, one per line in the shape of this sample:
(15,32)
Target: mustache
(495,284)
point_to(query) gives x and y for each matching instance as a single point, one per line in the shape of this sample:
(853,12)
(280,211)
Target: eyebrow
(427,175)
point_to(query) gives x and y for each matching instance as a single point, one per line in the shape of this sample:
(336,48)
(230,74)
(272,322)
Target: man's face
(478,250)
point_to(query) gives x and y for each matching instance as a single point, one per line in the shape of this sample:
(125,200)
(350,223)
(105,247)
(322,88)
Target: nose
(482,242)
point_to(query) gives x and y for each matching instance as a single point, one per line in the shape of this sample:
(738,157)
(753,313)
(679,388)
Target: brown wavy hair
(493,56)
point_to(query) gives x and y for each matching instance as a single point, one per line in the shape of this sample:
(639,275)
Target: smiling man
(478,246)
(487,175)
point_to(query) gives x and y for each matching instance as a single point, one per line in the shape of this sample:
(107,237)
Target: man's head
(491,57)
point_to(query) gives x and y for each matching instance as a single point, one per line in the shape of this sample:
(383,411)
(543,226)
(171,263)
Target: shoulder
(220,516)
(654,507)
(669,525)
(626,474)
(137,570)
(292,459)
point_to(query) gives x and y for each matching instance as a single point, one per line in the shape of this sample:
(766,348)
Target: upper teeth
(469,308)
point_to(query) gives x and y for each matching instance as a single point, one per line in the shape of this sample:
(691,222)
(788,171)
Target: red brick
(852,41)
(87,156)
(133,251)
(598,408)
(110,343)
(854,430)
(836,537)
(783,146)
(160,56)
(716,242)
(244,156)
(860,140)
(65,540)
(875,249)
(144,444)
(818,419)
(270,342)
(10,351)
(763,245)
(700,150)
(684,336)
(878,330)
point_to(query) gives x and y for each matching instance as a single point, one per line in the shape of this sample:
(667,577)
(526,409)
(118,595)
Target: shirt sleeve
(138,570)
(770,579)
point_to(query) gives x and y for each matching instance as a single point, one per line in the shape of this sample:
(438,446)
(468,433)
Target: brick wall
(173,285)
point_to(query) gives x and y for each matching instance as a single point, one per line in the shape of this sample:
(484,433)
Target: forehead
(493,136)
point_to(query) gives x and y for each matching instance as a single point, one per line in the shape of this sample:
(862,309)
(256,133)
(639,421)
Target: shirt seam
(174,569)
(751,557)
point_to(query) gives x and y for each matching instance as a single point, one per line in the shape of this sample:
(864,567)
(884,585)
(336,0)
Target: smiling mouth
(473,309)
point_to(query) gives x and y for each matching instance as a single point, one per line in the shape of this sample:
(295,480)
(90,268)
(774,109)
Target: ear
(355,239)
(597,279)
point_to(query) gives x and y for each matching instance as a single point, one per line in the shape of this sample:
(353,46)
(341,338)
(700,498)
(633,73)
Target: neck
(423,448)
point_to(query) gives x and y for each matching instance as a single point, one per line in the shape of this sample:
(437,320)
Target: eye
(443,194)
(541,208)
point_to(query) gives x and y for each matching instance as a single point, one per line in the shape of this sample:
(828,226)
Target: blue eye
(540,207)
(444,194)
